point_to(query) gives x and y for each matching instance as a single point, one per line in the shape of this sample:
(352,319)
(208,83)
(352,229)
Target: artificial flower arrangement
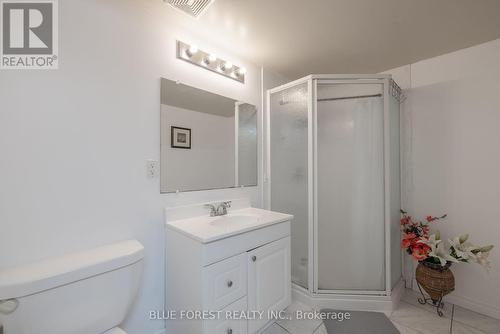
(429,248)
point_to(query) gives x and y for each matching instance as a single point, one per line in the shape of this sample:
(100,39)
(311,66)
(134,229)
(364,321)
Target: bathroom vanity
(235,262)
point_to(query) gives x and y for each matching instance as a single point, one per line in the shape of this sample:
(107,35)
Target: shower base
(349,302)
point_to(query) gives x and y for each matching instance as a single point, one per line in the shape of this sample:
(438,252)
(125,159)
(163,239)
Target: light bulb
(242,71)
(210,59)
(227,66)
(192,50)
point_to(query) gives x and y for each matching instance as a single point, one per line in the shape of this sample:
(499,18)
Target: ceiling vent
(192,7)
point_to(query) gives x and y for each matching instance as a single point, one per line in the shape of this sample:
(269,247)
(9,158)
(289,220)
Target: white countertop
(207,229)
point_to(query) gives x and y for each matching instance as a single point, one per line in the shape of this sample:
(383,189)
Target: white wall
(74,141)
(209,163)
(451,152)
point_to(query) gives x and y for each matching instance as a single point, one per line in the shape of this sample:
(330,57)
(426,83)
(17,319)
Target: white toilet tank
(89,292)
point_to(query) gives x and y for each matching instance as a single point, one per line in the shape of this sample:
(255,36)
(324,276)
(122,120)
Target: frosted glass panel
(289,173)
(395,178)
(350,187)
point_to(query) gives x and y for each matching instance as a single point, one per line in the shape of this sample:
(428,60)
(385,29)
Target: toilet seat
(115,330)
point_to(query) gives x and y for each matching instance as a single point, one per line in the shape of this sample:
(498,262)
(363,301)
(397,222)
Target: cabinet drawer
(226,325)
(224,282)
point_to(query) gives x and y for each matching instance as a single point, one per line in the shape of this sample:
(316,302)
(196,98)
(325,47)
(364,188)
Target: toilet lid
(115,330)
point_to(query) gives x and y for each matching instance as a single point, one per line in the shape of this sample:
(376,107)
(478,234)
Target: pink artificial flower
(420,251)
(405,220)
(408,240)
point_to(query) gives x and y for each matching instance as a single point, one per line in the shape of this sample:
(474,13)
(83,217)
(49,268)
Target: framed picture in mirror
(180,137)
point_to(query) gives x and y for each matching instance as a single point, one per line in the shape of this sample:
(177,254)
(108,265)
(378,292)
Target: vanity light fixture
(191,54)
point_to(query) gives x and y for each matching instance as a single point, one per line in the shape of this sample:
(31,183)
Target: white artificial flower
(440,250)
(463,249)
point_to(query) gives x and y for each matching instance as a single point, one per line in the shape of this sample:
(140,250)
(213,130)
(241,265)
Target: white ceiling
(299,37)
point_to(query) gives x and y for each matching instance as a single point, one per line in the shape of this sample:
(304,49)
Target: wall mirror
(208,141)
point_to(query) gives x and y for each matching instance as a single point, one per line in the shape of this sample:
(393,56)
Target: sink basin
(194,222)
(234,219)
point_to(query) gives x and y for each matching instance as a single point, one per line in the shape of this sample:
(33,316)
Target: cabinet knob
(229,284)
(254,258)
(229,331)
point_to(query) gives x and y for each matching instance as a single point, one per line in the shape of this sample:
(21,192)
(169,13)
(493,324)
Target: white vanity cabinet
(237,270)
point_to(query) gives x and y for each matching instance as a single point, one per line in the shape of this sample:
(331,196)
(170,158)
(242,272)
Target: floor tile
(410,318)
(296,325)
(411,297)
(459,328)
(421,320)
(405,330)
(275,329)
(321,330)
(475,320)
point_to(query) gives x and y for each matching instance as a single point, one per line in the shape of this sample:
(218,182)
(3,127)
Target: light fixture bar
(191,54)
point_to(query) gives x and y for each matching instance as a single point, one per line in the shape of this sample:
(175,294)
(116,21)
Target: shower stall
(333,161)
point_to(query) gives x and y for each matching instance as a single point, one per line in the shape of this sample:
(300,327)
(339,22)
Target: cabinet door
(269,280)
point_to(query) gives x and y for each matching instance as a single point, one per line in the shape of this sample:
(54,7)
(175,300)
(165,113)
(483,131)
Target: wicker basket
(436,280)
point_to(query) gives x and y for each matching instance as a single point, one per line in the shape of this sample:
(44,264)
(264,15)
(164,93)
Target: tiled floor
(410,318)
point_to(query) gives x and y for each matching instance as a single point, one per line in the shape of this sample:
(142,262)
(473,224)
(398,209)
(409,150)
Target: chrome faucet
(219,209)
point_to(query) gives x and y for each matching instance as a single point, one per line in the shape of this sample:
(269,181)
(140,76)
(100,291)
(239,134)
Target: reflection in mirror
(208,141)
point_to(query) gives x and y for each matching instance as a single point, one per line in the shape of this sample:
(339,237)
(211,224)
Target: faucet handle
(213,209)
(222,208)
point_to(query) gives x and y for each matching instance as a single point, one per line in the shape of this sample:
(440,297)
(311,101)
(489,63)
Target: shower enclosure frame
(369,300)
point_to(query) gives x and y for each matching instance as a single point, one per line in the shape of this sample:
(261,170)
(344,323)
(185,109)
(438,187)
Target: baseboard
(454,298)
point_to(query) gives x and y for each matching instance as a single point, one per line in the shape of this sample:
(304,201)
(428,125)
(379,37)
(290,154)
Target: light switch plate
(152,168)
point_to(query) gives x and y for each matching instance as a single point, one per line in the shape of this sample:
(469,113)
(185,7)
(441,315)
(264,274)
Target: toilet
(88,292)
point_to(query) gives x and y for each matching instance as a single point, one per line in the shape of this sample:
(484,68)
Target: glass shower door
(349,193)
(289,157)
